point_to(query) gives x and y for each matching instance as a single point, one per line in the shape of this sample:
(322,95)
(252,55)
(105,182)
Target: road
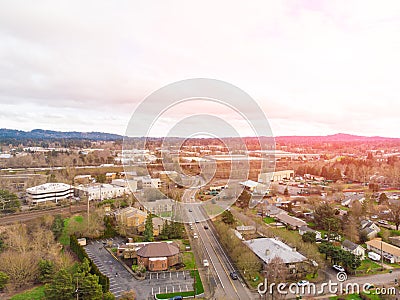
(28,216)
(220,264)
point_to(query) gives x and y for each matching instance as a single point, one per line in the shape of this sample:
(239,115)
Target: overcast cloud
(315,67)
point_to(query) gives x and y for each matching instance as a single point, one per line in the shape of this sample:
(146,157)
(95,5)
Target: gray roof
(349,245)
(305,228)
(268,248)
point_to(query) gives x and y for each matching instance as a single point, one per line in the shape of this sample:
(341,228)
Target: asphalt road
(220,265)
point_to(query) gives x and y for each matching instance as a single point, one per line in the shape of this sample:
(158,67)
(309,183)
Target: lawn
(269,220)
(33,294)
(368,265)
(64,239)
(188,260)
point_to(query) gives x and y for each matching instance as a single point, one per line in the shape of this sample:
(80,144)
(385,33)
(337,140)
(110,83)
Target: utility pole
(77,289)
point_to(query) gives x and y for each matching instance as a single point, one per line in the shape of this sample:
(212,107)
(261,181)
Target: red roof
(157,250)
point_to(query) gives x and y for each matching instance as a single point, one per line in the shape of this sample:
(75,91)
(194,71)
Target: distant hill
(40,134)
(339,137)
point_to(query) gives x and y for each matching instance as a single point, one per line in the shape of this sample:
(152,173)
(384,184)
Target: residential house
(303,229)
(268,248)
(289,221)
(354,248)
(131,218)
(369,229)
(389,252)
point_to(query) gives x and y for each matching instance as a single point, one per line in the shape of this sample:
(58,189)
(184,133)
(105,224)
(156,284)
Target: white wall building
(49,192)
(102,191)
(275,176)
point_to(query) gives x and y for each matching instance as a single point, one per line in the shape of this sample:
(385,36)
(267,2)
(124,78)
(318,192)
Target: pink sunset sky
(314,67)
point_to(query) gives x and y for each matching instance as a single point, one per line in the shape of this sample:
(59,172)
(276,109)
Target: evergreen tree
(148,234)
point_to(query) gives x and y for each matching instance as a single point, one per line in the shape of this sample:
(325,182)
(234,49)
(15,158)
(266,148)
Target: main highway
(209,247)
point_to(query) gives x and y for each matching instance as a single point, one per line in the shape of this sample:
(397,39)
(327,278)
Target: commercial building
(101,191)
(275,176)
(53,192)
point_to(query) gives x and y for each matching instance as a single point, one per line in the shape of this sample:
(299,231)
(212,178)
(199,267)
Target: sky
(313,67)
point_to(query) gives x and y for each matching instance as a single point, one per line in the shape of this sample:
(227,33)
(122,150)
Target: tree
(61,287)
(148,234)
(276,272)
(101,178)
(46,270)
(227,217)
(9,201)
(57,227)
(383,198)
(309,237)
(108,296)
(3,280)
(325,218)
(395,214)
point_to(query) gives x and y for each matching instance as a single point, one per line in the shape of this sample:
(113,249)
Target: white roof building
(49,192)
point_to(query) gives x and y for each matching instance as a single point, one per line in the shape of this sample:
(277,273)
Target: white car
(303,283)
(338,268)
(374,256)
(195,236)
(205,263)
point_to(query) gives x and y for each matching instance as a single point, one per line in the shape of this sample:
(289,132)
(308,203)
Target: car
(338,268)
(374,256)
(233,275)
(205,263)
(196,221)
(195,236)
(176,298)
(205,227)
(190,210)
(374,217)
(190,223)
(303,283)
(384,222)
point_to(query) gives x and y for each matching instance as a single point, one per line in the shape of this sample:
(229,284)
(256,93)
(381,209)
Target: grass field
(64,239)
(33,294)
(188,260)
(269,220)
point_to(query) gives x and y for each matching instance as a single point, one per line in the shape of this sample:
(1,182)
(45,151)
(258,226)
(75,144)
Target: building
(158,256)
(389,252)
(131,184)
(354,248)
(111,176)
(246,229)
(268,248)
(53,192)
(161,207)
(275,176)
(149,182)
(255,187)
(289,221)
(369,229)
(303,229)
(131,217)
(100,191)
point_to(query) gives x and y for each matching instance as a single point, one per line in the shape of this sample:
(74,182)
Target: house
(353,248)
(268,248)
(111,176)
(246,229)
(149,182)
(289,221)
(389,252)
(350,198)
(369,229)
(303,229)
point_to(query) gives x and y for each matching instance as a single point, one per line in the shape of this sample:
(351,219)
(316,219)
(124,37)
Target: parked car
(176,298)
(303,283)
(233,275)
(205,227)
(195,236)
(205,263)
(374,256)
(384,222)
(338,268)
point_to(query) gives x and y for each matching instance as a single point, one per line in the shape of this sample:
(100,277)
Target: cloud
(311,65)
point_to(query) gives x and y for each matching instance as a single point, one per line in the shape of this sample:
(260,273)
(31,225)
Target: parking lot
(121,280)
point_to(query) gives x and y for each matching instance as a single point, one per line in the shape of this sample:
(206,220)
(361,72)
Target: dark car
(176,298)
(205,227)
(233,275)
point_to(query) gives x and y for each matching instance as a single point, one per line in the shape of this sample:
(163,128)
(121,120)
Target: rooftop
(388,248)
(161,249)
(268,248)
